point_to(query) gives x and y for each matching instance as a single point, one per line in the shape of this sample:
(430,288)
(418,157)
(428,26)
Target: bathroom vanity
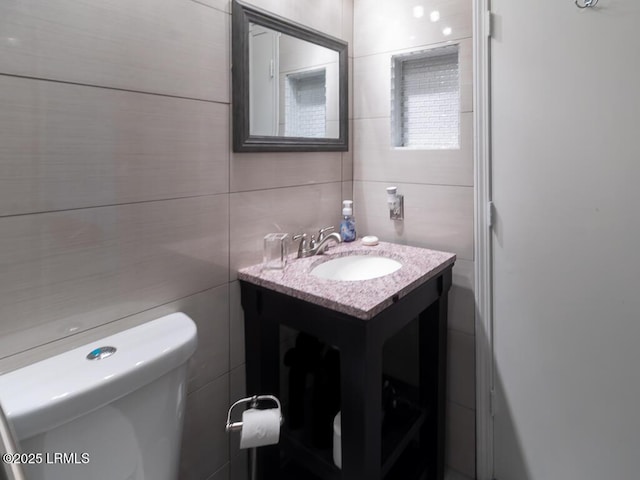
(357,317)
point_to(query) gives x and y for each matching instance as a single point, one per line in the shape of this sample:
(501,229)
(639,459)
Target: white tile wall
(426,101)
(305,105)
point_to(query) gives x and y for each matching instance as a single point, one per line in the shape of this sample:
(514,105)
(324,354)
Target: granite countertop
(363,298)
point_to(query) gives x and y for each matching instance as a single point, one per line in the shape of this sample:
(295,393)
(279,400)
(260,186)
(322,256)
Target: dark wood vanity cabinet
(414,448)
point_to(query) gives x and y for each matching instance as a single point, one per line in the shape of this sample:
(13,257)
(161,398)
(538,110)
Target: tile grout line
(43,212)
(104,87)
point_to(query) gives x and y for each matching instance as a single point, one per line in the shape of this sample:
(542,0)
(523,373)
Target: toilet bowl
(112,409)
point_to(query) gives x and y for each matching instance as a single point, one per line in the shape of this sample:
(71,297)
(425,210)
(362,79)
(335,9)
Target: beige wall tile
(176,47)
(386,26)
(436,216)
(324,16)
(374,159)
(347,194)
(236,326)
(328,17)
(201,307)
(460,439)
(69,146)
(347,166)
(347,23)
(238,390)
(238,383)
(210,311)
(292,210)
(257,171)
(466,74)
(461,371)
(66,272)
(205,447)
(284,8)
(401,361)
(372,74)
(222,5)
(461,298)
(347,157)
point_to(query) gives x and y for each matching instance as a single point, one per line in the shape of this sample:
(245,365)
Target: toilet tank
(118,417)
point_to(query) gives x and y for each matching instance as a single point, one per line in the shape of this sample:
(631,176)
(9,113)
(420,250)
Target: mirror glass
(289,85)
(293,89)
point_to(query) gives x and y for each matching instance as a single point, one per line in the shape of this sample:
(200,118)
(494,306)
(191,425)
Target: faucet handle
(324,230)
(303,243)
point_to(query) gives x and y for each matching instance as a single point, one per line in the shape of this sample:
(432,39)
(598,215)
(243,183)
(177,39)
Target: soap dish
(370,240)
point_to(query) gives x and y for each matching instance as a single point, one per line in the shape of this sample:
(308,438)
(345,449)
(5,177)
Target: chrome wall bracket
(586,3)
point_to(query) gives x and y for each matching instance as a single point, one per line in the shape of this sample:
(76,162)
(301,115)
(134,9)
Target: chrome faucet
(313,246)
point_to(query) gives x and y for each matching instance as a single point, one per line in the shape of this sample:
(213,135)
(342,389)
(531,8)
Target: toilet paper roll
(260,427)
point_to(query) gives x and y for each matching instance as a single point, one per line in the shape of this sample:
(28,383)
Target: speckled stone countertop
(364,298)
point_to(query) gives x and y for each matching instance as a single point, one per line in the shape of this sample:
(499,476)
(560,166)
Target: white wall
(567,272)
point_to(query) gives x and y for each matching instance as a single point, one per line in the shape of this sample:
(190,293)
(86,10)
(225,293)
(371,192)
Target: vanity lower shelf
(399,430)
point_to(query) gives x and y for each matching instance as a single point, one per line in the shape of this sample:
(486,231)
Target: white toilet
(95,413)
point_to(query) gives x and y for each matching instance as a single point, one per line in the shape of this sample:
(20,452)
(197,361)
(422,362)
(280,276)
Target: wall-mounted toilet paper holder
(253,403)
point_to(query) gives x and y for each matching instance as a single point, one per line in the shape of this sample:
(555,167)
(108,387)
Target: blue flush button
(100,353)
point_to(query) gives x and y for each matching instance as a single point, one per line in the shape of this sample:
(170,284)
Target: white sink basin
(356,267)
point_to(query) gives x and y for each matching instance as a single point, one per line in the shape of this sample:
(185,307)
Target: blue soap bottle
(348,223)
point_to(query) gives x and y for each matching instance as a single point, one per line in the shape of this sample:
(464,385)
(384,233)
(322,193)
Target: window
(425,99)
(305,105)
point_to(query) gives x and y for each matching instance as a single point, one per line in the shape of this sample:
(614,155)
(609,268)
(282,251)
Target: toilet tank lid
(51,392)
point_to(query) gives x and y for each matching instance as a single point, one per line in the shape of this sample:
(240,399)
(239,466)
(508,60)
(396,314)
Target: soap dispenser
(348,223)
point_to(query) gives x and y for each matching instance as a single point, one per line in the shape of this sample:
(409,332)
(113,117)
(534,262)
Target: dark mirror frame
(243,141)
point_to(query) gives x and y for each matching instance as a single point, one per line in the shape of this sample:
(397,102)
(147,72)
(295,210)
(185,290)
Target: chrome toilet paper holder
(237,426)
(253,403)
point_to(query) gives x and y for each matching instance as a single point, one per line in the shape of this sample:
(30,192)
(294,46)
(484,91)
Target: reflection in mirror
(293,87)
(289,85)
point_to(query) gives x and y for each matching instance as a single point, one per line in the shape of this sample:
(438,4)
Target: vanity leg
(361,387)
(433,369)
(262,346)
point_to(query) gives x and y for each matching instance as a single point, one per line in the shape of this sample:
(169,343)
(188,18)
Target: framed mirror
(290,85)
